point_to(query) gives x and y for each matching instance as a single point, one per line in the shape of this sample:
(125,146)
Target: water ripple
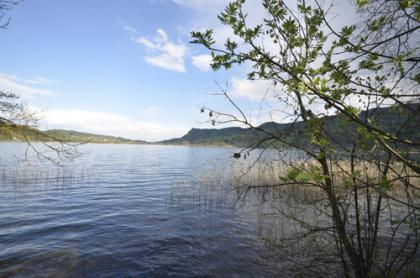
(125,211)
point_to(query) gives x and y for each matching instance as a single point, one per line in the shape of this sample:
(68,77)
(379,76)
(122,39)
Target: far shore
(127,143)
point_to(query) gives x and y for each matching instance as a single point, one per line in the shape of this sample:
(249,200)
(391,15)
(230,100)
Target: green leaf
(385,185)
(362,3)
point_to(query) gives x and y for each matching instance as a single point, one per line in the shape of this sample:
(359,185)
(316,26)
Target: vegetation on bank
(318,67)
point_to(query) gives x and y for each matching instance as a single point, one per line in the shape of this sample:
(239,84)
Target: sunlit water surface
(129,210)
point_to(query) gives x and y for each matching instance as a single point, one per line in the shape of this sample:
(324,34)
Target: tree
(17,122)
(6,5)
(322,71)
(20,123)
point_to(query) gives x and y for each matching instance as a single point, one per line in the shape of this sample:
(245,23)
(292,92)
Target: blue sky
(119,67)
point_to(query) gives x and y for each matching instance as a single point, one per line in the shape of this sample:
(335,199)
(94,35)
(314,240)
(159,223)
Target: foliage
(322,70)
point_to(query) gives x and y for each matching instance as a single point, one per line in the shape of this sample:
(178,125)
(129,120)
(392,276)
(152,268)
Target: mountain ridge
(388,118)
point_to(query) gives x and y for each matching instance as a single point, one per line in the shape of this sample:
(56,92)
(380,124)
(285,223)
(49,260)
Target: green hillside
(389,119)
(22,134)
(75,136)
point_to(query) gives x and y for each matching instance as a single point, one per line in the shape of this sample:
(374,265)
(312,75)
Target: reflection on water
(128,210)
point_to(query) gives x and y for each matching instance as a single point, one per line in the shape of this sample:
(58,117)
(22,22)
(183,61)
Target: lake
(130,211)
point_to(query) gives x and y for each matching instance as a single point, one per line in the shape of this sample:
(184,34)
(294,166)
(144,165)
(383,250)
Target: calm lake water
(129,210)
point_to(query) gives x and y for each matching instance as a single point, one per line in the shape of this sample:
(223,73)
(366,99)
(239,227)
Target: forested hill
(62,135)
(390,119)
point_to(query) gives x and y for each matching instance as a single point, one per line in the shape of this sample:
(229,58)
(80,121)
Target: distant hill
(222,137)
(75,136)
(64,135)
(390,119)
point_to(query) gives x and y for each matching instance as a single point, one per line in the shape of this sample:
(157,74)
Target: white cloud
(128,28)
(202,62)
(10,83)
(166,54)
(252,89)
(107,123)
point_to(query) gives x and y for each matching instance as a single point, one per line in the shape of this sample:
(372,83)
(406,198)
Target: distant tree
(370,187)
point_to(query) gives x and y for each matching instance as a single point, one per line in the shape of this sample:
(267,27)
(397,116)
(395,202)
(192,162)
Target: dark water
(128,211)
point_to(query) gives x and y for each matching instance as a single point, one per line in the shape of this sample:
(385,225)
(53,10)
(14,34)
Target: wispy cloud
(107,123)
(40,80)
(166,54)
(127,27)
(162,36)
(12,84)
(145,42)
